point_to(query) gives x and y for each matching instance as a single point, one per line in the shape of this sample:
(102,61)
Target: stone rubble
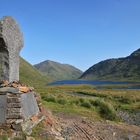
(22,111)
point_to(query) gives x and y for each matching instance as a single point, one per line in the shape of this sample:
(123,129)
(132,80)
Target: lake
(96,83)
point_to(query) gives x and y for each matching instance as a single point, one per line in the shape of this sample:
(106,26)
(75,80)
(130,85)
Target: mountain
(31,76)
(121,69)
(58,71)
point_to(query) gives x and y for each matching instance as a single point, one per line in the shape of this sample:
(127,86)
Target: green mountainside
(121,69)
(58,71)
(31,76)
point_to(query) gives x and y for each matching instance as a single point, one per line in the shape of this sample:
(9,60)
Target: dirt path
(77,128)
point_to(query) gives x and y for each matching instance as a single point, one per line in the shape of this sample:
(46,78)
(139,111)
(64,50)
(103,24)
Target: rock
(11,42)
(16,127)
(13,99)
(4,83)
(9,90)
(29,105)
(2,108)
(30,138)
(24,89)
(14,105)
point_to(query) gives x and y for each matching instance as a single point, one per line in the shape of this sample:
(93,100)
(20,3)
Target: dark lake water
(96,83)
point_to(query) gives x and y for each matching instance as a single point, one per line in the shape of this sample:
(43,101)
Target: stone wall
(3,105)
(14,108)
(17,109)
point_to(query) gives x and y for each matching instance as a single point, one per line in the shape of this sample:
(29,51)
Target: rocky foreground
(71,127)
(62,126)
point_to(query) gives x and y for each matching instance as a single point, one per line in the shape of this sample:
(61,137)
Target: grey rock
(17,127)
(13,116)
(29,105)
(9,90)
(3,108)
(15,105)
(11,42)
(13,99)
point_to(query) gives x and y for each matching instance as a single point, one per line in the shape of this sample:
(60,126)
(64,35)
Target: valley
(83,109)
(104,115)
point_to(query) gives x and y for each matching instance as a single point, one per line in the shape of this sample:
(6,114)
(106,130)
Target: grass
(30,76)
(3,137)
(106,110)
(79,96)
(80,99)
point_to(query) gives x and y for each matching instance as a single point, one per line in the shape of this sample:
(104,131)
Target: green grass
(32,77)
(102,104)
(91,103)
(106,110)
(3,137)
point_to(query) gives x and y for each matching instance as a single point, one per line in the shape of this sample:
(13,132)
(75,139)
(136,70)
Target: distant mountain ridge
(121,69)
(58,71)
(31,76)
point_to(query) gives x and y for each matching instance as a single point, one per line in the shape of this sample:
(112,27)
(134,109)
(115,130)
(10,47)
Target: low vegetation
(85,100)
(29,75)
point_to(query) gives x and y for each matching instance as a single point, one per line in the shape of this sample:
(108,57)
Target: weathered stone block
(15,105)
(16,121)
(11,43)
(17,95)
(29,105)
(9,90)
(14,110)
(3,108)
(13,116)
(13,100)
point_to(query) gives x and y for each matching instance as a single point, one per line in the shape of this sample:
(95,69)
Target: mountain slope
(121,69)
(29,75)
(58,71)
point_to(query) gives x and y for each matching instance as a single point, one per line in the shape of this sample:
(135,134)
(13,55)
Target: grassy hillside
(58,71)
(121,69)
(29,75)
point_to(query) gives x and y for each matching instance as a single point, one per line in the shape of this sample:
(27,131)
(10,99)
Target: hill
(121,69)
(58,71)
(31,76)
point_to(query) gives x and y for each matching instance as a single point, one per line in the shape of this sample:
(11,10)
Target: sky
(76,32)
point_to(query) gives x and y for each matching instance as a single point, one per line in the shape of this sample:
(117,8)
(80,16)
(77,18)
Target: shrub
(76,102)
(96,102)
(106,110)
(49,98)
(82,100)
(86,104)
(93,102)
(125,100)
(62,101)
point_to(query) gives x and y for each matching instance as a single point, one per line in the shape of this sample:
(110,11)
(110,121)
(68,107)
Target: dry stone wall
(18,105)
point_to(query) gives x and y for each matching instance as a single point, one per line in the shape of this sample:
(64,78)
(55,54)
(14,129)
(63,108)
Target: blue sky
(77,32)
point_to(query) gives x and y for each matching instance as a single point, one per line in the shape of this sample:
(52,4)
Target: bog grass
(85,100)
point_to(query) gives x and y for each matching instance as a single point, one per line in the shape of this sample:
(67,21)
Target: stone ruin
(18,105)
(11,42)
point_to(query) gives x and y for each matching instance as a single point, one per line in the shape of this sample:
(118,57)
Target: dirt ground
(73,127)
